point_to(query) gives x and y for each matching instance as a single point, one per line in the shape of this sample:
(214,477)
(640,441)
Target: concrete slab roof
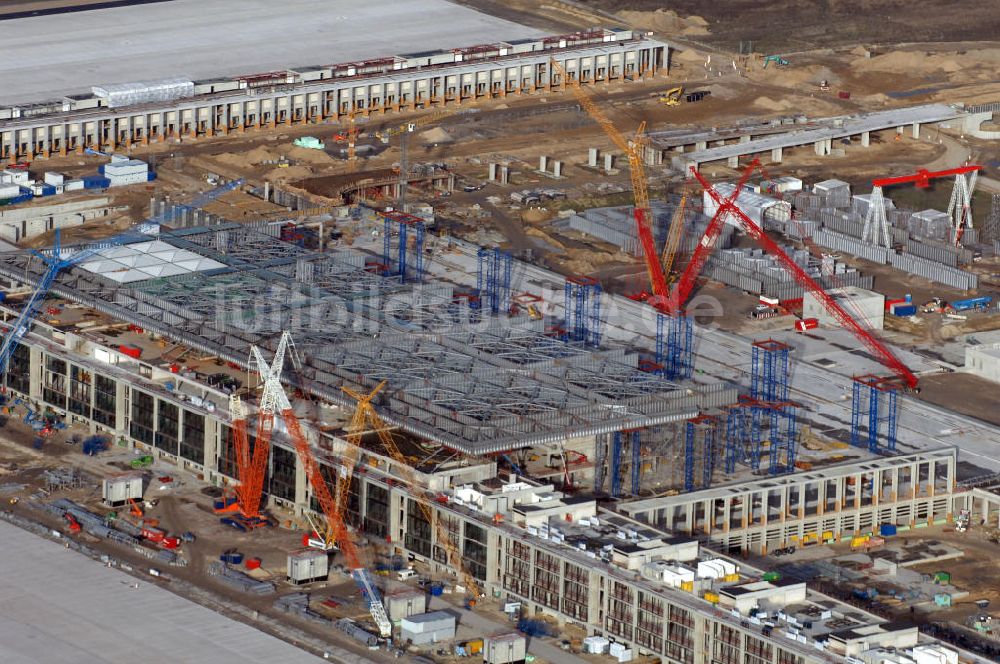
(60,606)
(207,38)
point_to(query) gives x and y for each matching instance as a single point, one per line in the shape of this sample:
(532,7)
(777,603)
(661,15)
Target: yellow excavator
(672,97)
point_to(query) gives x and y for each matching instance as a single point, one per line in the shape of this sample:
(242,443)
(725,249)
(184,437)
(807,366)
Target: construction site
(555,334)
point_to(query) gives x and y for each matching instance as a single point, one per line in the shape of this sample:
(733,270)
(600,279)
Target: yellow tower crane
(366,420)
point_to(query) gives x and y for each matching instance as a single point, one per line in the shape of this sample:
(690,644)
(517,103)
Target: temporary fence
(937,272)
(841,242)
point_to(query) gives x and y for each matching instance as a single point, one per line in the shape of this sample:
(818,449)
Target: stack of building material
(930,224)
(758,207)
(845,243)
(238,580)
(298,604)
(938,251)
(351,628)
(860,203)
(835,193)
(937,272)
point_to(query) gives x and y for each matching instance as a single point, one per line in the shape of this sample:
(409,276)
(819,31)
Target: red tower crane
(727,208)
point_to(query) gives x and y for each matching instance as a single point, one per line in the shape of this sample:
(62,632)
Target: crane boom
(637,173)
(674,237)
(365,416)
(874,345)
(923,177)
(685,285)
(321,491)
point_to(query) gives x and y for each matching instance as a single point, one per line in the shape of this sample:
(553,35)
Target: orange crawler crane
(274,394)
(251,465)
(366,419)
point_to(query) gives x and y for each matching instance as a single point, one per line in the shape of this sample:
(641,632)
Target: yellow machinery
(633,149)
(366,420)
(672,97)
(674,235)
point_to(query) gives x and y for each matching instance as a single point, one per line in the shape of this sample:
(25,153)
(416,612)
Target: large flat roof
(60,606)
(68,53)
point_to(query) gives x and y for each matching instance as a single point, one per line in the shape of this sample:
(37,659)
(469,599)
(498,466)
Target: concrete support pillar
(543,163)
(609,162)
(819,147)
(557,169)
(492,172)
(745,138)
(776,154)
(915,128)
(592,157)
(866,139)
(734,161)
(701,145)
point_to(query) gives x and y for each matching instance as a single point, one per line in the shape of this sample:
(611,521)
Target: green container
(942,577)
(771,576)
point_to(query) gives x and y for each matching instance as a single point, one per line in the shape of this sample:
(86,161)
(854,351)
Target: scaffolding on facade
(769,370)
(700,441)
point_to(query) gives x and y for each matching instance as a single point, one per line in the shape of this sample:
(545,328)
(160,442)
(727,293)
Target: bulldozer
(672,97)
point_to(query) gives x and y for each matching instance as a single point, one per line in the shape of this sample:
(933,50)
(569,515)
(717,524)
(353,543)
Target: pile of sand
(305,155)
(666,21)
(768,104)
(436,135)
(259,154)
(544,237)
(909,62)
(688,55)
(289,173)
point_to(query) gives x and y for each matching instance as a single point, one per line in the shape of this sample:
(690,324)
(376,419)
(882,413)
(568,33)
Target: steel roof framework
(473,384)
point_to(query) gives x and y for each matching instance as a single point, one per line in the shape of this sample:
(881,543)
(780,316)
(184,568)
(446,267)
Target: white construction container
(308,565)
(934,654)
(54,179)
(405,603)
(118,490)
(425,628)
(715,569)
(865,306)
(125,172)
(596,645)
(505,649)
(73,185)
(14,177)
(9,191)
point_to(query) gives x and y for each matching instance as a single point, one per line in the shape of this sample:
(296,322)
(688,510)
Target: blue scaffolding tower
(769,371)
(583,310)
(615,462)
(674,350)
(874,413)
(495,271)
(750,423)
(699,445)
(402,226)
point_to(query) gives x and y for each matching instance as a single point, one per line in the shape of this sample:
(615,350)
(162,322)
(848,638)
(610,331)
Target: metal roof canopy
(472,383)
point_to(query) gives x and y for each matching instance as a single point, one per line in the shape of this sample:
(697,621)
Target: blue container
(48,190)
(904,310)
(437,590)
(972,303)
(100,169)
(150,176)
(95,182)
(887,529)
(3,296)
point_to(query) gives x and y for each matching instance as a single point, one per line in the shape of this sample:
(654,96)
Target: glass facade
(19,370)
(192,445)
(168,427)
(80,391)
(105,401)
(141,423)
(282,483)
(54,387)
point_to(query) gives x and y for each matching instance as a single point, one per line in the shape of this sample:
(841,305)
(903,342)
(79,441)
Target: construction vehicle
(776,59)
(365,418)
(633,150)
(672,97)
(144,461)
(58,259)
(321,492)
(134,509)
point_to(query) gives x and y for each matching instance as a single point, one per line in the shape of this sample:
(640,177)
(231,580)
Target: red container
(132,351)
(252,563)
(844,94)
(806,324)
(152,534)
(170,542)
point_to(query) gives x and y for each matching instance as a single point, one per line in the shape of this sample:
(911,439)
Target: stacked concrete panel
(845,243)
(936,272)
(940,252)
